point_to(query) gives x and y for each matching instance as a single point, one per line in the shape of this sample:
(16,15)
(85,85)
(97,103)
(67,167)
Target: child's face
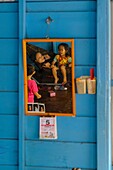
(39,58)
(62,50)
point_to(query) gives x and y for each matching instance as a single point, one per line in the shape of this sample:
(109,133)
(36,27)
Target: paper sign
(48,128)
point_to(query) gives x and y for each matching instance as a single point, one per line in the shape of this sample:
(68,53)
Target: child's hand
(47,65)
(46,56)
(70,65)
(52,66)
(39,96)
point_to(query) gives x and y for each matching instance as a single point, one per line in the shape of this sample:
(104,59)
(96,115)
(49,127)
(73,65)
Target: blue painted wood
(84,129)
(86,105)
(104,86)
(84,70)
(6,167)
(8,126)
(8,7)
(22,26)
(60,154)
(9,25)
(9,78)
(85,51)
(14,98)
(52,168)
(9,103)
(46,168)
(8,152)
(73,22)
(57,0)
(8,51)
(57,6)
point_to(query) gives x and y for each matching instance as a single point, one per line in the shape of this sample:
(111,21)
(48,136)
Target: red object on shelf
(92,73)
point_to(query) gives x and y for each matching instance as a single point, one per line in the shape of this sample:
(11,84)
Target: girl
(63,60)
(32,86)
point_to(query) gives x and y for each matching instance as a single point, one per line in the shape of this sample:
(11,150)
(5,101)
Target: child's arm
(53,64)
(69,62)
(46,65)
(37,95)
(54,61)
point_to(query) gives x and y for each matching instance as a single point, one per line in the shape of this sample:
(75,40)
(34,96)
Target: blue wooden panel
(85,52)
(8,7)
(104,114)
(57,6)
(60,154)
(86,45)
(9,51)
(56,0)
(84,71)
(8,126)
(86,105)
(46,168)
(9,78)
(8,103)
(6,167)
(9,25)
(8,152)
(65,25)
(79,129)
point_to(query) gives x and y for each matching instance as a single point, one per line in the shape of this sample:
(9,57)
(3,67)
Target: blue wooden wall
(76,143)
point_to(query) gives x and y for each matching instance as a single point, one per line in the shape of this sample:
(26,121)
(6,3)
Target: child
(63,60)
(32,86)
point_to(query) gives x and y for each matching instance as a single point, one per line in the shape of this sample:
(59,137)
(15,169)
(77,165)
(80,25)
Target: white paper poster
(48,128)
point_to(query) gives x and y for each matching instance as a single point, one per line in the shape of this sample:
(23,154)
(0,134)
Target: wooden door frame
(104,85)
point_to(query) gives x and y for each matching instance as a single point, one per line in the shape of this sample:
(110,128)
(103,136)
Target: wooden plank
(60,154)
(46,168)
(104,155)
(8,167)
(65,25)
(85,51)
(9,26)
(8,152)
(58,6)
(9,103)
(84,70)
(56,0)
(84,129)
(9,51)
(8,7)
(51,168)
(86,45)
(86,105)
(8,126)
(22,35)
(9,78)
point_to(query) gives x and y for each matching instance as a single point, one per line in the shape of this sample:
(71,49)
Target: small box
(81,85)
(52,93)
(91,86)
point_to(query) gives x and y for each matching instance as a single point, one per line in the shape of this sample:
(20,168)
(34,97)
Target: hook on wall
(49,20)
